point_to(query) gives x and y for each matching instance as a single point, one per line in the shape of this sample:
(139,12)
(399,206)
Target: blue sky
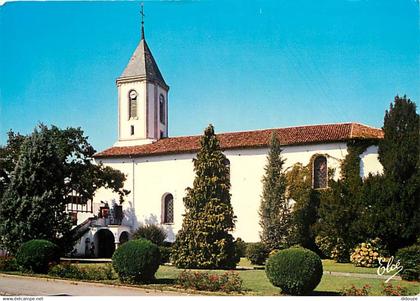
(240,65)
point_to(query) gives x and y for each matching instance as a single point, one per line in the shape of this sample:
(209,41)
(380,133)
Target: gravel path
(32,286)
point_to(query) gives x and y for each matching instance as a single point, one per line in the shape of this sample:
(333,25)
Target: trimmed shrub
(165,254)
(65,270)
(136,261)
(8,264)
(410,261)
(367,254)
(297,271)
(257,253)
(203,281)
(355,291)
(240,246)
(154,233)
(88,272)
(36,255)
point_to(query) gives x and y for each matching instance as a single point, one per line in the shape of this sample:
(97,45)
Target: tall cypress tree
(275,212)
(204,240)
(393,199)
(399,151)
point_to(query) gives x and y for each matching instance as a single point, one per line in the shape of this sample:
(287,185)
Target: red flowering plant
(355,291)
(390,290)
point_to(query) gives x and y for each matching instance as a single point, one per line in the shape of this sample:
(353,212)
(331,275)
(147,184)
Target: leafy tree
(275,211)
(51,164)
(341,207)
(204,240)
(9,154)
(305,207)
(392,200)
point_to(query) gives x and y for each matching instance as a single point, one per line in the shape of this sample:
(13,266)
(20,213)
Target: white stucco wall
(155,126)
(147,125)
(155,176)
(124,122)
(369,162)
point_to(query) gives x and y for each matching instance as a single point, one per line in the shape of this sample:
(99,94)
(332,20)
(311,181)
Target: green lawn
(328,265)
(256,283)
(332,266)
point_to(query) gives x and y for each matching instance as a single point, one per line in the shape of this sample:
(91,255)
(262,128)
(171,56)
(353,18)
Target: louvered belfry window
(168,209)
(162,108)
(132,104)
(320,173)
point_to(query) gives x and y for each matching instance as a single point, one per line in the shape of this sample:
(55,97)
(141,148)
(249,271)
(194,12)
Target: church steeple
(142,64)
(142,21)
(142,98)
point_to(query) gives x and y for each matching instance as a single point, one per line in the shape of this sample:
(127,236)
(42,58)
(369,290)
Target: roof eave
(129,79)
(99,155)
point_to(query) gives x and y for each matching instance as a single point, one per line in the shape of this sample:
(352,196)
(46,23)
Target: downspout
(133,182)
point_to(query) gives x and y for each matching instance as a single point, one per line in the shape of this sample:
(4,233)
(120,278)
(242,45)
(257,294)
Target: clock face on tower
(133,94)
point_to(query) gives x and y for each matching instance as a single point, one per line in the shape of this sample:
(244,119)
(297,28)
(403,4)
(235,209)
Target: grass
(328,265)
(332,266)
(255,281)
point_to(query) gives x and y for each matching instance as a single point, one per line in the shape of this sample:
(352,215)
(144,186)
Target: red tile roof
(251,139)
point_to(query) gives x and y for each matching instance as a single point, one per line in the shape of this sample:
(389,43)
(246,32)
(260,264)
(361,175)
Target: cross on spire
(142,21)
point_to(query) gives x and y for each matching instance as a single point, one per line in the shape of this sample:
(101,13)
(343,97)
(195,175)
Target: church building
(159,168)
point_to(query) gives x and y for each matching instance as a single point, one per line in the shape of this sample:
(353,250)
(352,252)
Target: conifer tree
(393,199)
(275,212)
(340,209)
(204,240)
(399,151)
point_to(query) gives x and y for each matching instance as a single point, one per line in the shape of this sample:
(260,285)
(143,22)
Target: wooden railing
(79,204)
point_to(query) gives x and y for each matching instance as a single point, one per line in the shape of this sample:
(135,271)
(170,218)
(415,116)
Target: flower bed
(203,281)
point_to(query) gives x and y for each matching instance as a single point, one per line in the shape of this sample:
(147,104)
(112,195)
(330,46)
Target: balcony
(109,216)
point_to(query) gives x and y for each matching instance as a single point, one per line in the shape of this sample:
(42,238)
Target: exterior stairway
(78,231)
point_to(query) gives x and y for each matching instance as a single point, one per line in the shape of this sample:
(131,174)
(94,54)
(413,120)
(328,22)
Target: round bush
(154,233)
(257,253)
(136,260)
(36,255)
(297,271)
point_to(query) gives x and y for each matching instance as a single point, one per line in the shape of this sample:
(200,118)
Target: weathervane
(142,21)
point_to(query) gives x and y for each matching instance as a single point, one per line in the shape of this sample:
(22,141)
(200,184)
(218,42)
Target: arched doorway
(123,237)
(105,243)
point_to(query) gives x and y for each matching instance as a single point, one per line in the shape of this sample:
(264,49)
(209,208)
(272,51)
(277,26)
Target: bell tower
(142,98)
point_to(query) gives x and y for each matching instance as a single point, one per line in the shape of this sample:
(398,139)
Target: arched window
(320,172)
(132,104)
(168,209)
(162,108)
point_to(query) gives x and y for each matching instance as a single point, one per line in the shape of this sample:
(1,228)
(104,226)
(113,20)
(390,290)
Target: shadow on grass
(164,281)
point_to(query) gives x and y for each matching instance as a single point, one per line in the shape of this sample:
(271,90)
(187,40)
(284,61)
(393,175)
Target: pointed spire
(142,65)
(142,21)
